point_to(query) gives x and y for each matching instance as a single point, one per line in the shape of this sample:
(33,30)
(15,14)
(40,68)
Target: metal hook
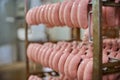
(89,26)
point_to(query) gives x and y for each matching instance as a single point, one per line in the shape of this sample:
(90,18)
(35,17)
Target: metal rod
(26,40)
(89,26)
(97,40)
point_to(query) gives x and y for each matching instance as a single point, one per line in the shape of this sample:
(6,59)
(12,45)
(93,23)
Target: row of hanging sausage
(73,60)
(73,13)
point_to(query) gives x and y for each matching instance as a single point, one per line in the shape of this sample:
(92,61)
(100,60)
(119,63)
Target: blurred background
(12,36)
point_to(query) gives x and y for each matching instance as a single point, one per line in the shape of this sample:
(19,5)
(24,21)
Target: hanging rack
(97,41)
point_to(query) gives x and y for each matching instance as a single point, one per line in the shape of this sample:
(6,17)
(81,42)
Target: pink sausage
(33,51)
(57,57)
(55,14)
(46,13)
(112,54)
(90,52)
(104,21)
(29,49)
(48,53)
(114,45)
(61,12)
(108,44)
(28,17)
(63,59)
(52,55)
(34,15)
(110,17)
(74,12)
(88,71)
(43,56)
(37,53)
(67,12)
(114,76)
(40,52)
(42,18)
(74,63)
(72,54)
(81,69)
(40,13)
(83,9)
(37,15)
(50,13)
(31,15)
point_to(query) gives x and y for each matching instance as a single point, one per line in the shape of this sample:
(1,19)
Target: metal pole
(26,40)
(97,39)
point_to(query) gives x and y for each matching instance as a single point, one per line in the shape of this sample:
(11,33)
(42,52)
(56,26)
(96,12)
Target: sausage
(33,50)
(36,53)
(110,17)
(81,69)
(50,10)
(61,12)
(40,52)
(38,21)
(112,54)
(114,76)
(48,53)
(83,9)
(114,45)
(89,52)
(74,63)
(28,17)
(42,18)
(104,21)
(88,71)
(46,13)
(74,12)
(62,60)
(52,55)
(108,44)
(67,12)
(40,13)
(34,15)
(44,53)
(75,51)
(29,49)
(57,57)
(55,14)
(34,78)
(31,14)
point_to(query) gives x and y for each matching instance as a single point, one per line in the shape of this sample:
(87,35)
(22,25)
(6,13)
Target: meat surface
(63,59)
(83,9)
(81,69)
(55,14)
(74,12)
(74,63)
(61,12)
(67,13)
(67,62)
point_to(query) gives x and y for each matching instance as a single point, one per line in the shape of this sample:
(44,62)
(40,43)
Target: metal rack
(97,41)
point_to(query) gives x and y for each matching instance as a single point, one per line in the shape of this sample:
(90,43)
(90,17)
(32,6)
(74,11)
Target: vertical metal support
(26,40)
(76,34)
(97,39)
